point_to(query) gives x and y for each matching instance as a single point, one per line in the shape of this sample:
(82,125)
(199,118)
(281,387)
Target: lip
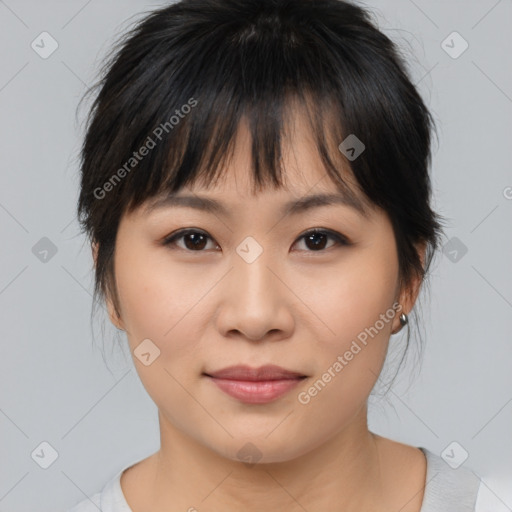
(248,373)
(255,385)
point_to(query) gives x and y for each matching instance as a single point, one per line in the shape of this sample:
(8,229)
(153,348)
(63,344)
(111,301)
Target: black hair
(182,80)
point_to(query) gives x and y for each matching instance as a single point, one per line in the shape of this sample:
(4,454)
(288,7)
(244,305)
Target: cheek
(163,305)
(356,292)
(160,302)
(350,305)
(350,358)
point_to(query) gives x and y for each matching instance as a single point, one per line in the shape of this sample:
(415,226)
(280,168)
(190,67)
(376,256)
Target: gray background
(56,386)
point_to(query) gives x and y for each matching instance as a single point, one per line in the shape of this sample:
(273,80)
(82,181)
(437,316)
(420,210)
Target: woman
(255,186)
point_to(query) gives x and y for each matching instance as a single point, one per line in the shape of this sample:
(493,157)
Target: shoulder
(447,488)
(109,499)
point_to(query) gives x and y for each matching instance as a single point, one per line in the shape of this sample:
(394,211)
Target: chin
(253,451)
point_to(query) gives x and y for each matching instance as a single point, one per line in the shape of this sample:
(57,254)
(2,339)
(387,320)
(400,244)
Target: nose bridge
(254,302)
(254,282)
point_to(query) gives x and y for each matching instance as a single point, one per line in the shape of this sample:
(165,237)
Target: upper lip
(247,373)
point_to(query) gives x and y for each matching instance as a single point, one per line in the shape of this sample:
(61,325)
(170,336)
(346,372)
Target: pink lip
(255,385)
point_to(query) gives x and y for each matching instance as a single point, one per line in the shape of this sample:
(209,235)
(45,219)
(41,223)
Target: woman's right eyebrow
(172,200)
(293,207)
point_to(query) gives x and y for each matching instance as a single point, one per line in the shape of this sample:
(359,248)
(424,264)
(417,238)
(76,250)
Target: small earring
(404,320)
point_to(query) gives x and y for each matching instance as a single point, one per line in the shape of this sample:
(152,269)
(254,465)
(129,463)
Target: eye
(194,240)
(316,238)
(197,241)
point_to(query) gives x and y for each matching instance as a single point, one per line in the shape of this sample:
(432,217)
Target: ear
(408,296)
(114,318)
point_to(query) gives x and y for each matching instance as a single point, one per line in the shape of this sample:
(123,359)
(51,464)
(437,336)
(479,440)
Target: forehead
(304,179)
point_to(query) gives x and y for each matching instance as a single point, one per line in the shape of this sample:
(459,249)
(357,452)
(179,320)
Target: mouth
(255,385)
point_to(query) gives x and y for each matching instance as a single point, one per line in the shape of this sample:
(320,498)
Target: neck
(345,470)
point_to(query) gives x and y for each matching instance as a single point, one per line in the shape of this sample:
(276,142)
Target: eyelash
(340,239)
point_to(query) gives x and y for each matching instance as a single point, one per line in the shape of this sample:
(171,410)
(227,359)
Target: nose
(255,301)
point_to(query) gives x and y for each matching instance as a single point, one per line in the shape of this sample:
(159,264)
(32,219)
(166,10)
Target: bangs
(169,108)
(179,87)
(200,150)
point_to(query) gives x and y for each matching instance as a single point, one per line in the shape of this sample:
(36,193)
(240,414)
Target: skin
(294,306)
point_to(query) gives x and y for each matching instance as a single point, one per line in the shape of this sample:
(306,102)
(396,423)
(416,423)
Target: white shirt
(446,490)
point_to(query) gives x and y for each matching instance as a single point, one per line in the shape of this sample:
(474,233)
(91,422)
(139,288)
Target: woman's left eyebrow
(305,203)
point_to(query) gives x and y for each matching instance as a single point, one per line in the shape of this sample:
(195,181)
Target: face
(253,286)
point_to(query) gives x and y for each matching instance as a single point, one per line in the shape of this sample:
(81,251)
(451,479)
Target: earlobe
(114,318)
(404,320)
(94,250)
(407,298)
(422,252)
(401,318)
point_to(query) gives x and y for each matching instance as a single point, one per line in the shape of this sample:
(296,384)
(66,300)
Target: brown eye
(193,240)
(196,241)
(316,240)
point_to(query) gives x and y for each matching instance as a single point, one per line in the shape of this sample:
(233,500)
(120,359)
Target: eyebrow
(293,207)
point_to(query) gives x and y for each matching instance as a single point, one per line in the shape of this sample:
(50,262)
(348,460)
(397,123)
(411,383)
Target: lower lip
(256,392)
